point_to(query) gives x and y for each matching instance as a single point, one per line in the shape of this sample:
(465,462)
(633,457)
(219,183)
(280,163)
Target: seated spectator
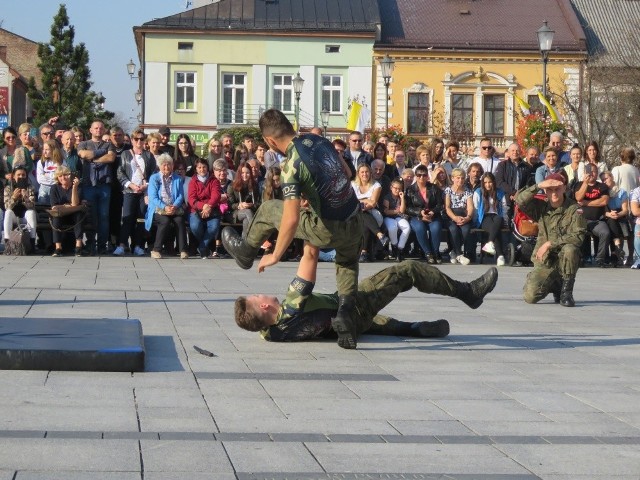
(451,159)
(244,196)
(221,172)
(368,193)
(408,177)
(635,211)
(19,202)
(204,202)
(241,155)
(64,194)
(46,167)
(256,170)
(592,155)
(185,154)
(423,157)
(166,197)
(474,173)
(440,178)
(271,188)
(593,197)
(574,170)
(395,218)
(551,165)
(616,215)
(627,177)
(133,174)
(424,207)
(458,203)
(491,215)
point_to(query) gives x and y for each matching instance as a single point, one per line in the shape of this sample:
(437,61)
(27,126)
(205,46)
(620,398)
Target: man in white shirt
(486,158)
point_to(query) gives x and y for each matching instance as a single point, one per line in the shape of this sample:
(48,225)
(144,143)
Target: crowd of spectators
(435,201)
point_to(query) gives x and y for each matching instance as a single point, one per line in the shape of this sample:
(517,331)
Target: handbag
(177,211)
(19,242)
(65,210)
(528,228)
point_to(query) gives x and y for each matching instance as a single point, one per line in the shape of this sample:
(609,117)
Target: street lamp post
(324,116)
(386,67)
(545,38)
(298,82)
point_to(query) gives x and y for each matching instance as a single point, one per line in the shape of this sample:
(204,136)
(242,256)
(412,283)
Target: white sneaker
(462,260)
(636,265)
(500,261)
(489,248)
(119,251)
(138,252)
(454,259)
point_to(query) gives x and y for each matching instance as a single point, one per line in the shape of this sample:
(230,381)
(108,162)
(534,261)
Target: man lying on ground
(305,315)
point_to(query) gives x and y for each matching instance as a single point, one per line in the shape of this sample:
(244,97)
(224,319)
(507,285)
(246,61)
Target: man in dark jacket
(354,155)
(512,174)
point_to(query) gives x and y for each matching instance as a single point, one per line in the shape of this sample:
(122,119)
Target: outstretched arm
(286,233)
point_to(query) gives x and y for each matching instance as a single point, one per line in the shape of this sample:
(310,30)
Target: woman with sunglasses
(8,152)
(424,205)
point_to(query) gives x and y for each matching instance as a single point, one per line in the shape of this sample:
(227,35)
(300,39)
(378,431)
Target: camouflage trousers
(377,291)
(345,236)
(546,276)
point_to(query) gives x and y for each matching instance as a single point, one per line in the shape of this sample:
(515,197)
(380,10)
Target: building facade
(457,75)
(222,64)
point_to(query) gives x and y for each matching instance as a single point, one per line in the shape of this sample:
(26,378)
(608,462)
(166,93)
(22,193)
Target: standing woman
(166,197)
(204,202)
(592,155)
(458,204)
(436,152)
(185,154)
(154,142)
(244,196)
(424,206)
(490,204)
(47,165)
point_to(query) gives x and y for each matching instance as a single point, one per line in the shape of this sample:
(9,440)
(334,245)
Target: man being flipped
(305,315)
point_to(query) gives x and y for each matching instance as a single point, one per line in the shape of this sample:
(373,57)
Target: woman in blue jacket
(491,214)
(166,197)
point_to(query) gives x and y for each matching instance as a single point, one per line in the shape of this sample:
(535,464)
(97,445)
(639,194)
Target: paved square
(515,392)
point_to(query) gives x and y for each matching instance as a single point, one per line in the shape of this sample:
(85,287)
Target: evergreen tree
(66,86)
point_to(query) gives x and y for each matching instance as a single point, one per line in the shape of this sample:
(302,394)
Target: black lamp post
(545,38)
(324,116)
(298,83)
(386,67)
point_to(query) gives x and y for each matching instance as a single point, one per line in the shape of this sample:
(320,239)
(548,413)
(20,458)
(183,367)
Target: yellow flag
(552,111)
(524,106)
(354,115)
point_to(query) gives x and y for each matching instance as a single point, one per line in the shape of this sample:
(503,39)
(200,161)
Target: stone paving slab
(515,391)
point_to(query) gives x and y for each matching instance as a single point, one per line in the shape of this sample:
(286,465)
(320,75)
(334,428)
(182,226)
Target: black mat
(107,345)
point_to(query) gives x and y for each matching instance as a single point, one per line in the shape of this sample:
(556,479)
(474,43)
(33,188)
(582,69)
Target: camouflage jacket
(303,315)
(561,226)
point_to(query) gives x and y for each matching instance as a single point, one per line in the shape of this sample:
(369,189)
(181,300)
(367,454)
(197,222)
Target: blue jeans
(203,230)
(133,208)
(99,197)
(636,240)
(433,229)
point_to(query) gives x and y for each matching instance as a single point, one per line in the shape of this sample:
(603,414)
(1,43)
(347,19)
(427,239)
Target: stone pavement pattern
(515,392)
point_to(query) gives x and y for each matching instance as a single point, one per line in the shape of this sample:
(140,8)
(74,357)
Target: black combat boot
(556,289)
(400,256)
(436,329)
(343,323)
(473,293)
(238,248)
(394,252)
(566,294)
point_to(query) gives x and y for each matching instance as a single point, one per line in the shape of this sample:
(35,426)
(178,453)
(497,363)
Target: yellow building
(458,66)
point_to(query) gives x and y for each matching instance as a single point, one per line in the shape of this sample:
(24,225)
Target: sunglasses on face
(487,148)
(420,175)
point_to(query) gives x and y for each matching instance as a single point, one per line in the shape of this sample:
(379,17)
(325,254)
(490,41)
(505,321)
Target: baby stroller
(525,231)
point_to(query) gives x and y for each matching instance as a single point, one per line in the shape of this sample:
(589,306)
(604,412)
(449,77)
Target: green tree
(66,87)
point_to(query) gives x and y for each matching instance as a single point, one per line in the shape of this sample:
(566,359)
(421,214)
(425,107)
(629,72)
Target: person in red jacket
(204,202)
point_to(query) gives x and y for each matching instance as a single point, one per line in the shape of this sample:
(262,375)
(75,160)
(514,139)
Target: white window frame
(283,89)
(235,87)
(331,88)
(185,86)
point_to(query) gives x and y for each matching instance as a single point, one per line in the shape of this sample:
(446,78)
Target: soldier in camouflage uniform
(305,315)
(561,231)
(313,171)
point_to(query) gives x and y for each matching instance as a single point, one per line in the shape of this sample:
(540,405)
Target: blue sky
(106,30)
